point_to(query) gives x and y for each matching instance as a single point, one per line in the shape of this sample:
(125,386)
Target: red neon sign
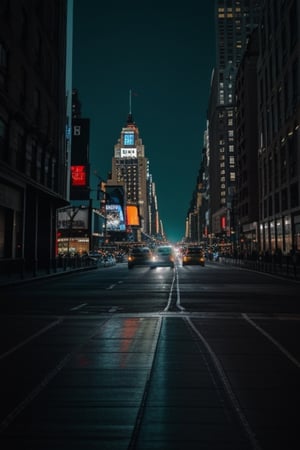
(223,222)
(78,175)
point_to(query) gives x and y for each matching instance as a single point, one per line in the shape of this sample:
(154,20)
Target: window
(3,134)
(284,199)
(295,78)
(37,104)
(3,57)
(24,28)
(3,64)
(293,25)
(294,195)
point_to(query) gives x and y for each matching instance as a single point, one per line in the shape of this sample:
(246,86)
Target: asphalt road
(185,358)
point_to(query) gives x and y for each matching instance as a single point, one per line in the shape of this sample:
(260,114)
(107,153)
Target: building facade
(235,19)
(246,142)
(278,126)
(81,224)
(33,169)
(196,229)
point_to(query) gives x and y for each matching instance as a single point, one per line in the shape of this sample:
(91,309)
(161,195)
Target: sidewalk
(284,270)
(8,278)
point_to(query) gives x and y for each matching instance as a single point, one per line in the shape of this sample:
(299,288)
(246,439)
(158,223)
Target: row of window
(287,31)
(278,202)
(28,157)
(276,234)
(281,105)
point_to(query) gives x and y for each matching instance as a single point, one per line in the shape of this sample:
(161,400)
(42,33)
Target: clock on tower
(128,139)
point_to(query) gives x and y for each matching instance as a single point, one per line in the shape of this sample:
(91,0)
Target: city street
(186,358)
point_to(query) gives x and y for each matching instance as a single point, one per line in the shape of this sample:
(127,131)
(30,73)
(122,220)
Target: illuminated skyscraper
(235,19)
(130,168)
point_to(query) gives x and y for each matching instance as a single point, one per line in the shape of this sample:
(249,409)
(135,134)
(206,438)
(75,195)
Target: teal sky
(165,52)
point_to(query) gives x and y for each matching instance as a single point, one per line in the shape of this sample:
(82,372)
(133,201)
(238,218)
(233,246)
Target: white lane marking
(276,343)
(227,386)
(26,341)
(114,285)
(78,307)
(170,293)
(178,292)
(140,413)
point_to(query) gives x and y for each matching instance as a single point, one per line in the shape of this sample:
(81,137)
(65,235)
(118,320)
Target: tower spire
(130,120)
(130,97)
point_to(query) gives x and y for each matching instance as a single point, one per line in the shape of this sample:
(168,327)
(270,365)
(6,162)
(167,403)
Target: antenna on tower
(130,101)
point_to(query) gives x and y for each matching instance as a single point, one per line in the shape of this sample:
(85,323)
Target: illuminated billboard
(78,176)
(132,216)
(73,219)
(114,218)
(128,152)
(128,138)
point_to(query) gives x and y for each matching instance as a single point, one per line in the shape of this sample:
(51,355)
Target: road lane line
(114,285)
(178,292)
(271,339)
(29,339)
(227,386)
(140,414)
(78,307)
(170,293)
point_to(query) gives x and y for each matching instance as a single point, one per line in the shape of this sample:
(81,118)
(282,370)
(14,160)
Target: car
(164,256)
(109,260)
(193,255)
(140,256)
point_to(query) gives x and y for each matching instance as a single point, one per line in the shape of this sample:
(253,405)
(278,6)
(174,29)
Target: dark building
(81,224)
(196,222)
(80,158)
(235,19)
(246,142)
(33,170)
(278,126)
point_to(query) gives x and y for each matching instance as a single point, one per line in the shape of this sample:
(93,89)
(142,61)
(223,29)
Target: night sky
(165,52)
